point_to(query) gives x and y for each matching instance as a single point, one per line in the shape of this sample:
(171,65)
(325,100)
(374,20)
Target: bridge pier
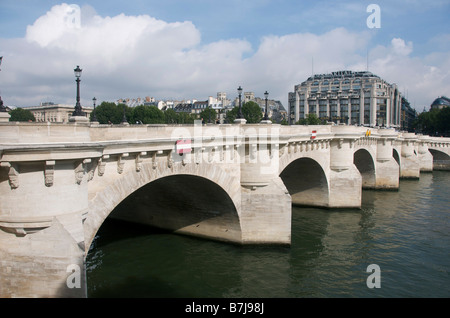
(266,214)
(387,169)
(41,229)
(409,163)
(424,156)
(345,179)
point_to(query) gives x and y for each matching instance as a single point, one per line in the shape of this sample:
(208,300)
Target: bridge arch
(439,155)
(306,182)
(441,160)
(364,162)
(163,198)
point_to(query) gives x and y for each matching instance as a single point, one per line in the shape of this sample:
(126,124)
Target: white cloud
(54,25)
(137,56)
(400,47)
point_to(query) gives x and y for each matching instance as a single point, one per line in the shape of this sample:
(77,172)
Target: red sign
(183,146)
(313,134)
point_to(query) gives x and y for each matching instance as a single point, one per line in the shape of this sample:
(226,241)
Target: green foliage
(147,115)
(170,116)
(311,119)
(250,110)
(110,113)
(20,114)
(185,118)
(435,122)
(206,113)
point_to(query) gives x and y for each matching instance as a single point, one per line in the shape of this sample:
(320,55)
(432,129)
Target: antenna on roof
(367,60)
(312,66)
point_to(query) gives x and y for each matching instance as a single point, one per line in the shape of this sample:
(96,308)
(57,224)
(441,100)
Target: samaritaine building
(353,98)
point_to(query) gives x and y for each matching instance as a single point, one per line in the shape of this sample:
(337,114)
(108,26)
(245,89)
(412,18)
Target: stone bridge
(233,183)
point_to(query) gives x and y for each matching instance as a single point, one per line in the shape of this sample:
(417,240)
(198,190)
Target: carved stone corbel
(281,151)
(79,172)
(253,151)
(102,164)
(92,168)
(154,163)
(197,155)
(49,170)
(121,162)
(13,175)
(231,150)
(222,154)
(139,160)
(170,159)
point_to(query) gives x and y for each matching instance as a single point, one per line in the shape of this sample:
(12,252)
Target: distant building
(353,98)
(440,102)
(275,108)
(55,113)
(408,116)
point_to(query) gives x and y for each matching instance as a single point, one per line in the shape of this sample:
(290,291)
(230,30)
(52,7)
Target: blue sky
(195,48)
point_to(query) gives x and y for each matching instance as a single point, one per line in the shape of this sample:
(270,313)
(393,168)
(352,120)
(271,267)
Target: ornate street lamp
(266,94)
(239,115)
(78,111)
(94,117)
(124,119)
(2,107)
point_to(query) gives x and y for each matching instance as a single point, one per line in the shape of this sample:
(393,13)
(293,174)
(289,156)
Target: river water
(406,233)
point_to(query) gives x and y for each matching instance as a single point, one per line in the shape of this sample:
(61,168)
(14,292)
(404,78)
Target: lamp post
(94,117)
(239,115)
(124,119)
(78,111)
(2,107)
(266,94)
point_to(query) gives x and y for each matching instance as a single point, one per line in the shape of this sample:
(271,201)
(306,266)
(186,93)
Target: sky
(192,49)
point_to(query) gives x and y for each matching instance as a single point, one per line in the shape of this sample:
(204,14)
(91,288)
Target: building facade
(353,98)
(408,116)
(55,113)
(440,103)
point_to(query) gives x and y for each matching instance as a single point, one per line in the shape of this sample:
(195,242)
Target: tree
(250,110)
(434,122)
(109,113)
(206,113)
(443,122)
(185,118)
(20,114)
(147,115)
(311,119)
(170,116)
